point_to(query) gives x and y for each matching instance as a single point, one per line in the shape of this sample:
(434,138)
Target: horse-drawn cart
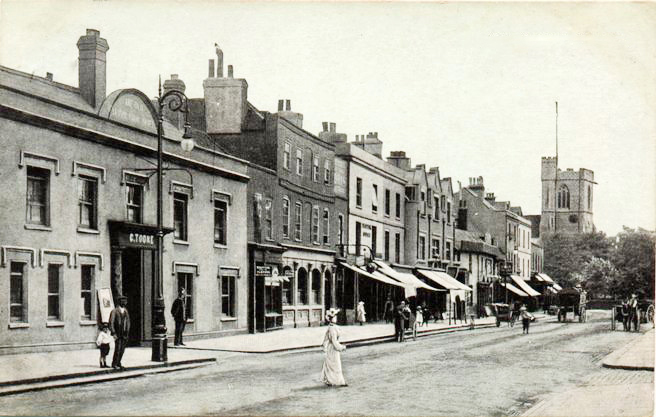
(571,300)
(502,312)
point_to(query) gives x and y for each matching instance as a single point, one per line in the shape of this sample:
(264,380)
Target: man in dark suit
(119,324)
(179,313)
(400,317)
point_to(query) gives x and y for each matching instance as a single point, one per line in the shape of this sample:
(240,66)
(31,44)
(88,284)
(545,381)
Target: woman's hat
(331,313)
(361,302)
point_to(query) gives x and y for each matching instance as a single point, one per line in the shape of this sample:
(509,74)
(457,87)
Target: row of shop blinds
(378,277)
(514,289)
(405,278)
(445,280)
(544,277)
(524,286)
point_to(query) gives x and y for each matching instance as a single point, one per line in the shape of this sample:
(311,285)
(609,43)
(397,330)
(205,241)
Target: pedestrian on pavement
(361,315)
(625,315)
(526,318)
(419,317)
(633,312)
(179,313)
(119,323)
(389,310)
(399,322)
(104,342)
(331,373)
(471,314)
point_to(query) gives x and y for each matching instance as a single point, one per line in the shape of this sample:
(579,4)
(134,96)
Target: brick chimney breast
(92,67)
(226,102)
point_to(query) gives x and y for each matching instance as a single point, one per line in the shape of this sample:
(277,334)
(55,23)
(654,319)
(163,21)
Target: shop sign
(263,270)
(289,273)
(140,239)
(271,281)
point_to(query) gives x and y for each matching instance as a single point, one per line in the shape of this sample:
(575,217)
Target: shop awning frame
(514,289)
(403,277)
(444,280)
(524,286)
(378,277)
(545,277)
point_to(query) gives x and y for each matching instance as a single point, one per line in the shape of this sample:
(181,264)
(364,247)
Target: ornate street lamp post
(176,101)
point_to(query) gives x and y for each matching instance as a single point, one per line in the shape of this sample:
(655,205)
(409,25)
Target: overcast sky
(468,87)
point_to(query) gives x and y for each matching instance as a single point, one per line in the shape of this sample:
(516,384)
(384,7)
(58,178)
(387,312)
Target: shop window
(180,202)
(87,202)
(315,224)
(287,286)
(38,188)
(54,292)
(326,226)
(220,222)
(134,202)
(388,197)
(398,206)
(86,291)
(302,286)
(285,217)
(186,281)
(316,286)
(228,296)
(17,293)
(298,218)
(286,155)
(358,192)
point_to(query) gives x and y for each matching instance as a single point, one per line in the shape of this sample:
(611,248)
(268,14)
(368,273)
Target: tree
(634,259)
(599,276)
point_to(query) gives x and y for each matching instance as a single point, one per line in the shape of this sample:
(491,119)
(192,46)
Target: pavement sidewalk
(636,355)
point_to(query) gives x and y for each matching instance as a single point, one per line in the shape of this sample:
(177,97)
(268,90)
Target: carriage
(571,300)
(502,312)
(645,313)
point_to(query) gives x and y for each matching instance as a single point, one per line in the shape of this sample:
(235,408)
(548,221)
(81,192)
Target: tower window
(563,196)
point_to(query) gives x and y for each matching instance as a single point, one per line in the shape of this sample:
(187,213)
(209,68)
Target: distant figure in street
(361,315)
(633,312)
(331,373)
(389,310)
(526,318)
(104,342)
(400,318)
(119,323)
(625,315)
(419,317)
(472,315)
(179,313)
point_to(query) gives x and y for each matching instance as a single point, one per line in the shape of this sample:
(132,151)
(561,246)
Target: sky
(468,87)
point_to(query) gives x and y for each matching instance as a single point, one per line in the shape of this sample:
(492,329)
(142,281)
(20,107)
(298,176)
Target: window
(87,202)
(589,198)
(374,241)
(38,184)
(436,209)
(421,252)
(54,295)
(410,193)
(397,248)
(448,250)
(298,215)
(285,217)
(374,198)
(17,293)
(220,221)
(315,224)
(302,286)
(563,196)
(435,249)
(387,245)
(388,197)
(448,212)
(326,172)
(326,226)
(340,229)
(228,296)
(287,286)
(299,161)
(86,291)
(286,155)
(268,219)
(398,206)
(316,286)
(358,192)
(134,202)
(315,169)
(180,216)
(186,281)
(358,237)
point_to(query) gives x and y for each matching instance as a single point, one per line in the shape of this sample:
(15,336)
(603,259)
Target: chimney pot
(210,71)
(281,104)
(174,76)
(93,32)
(332,127)
(230,71)
(288,105)
(219,61)
(49,76)
(325,126)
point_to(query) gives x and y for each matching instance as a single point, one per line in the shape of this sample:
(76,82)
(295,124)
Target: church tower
(567,198)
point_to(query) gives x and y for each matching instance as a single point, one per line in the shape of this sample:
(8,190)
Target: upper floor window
(220,221)
(448,212)
(326,173)
(298,216)
(268,219)
(374,199)
(315,169)
(398,206)
(421,252)
(340,229)
(358,192)
(448,250)
(88,202)
(286,155)
(397,247)
(563,196)
(180,201)
(436,208)
(435,249)
(388,197)
(410,193)
(326,226)
(299,161)
(38,201)
(315,224)
(285,217)
(134,202)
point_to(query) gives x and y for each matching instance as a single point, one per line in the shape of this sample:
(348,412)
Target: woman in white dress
(361,314)
(331,374)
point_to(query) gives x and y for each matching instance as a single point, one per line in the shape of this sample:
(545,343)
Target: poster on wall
(105,304)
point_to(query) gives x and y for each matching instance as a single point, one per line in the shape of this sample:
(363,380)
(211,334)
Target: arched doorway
(327,289)
(287,286)
(316,287)
(302,286)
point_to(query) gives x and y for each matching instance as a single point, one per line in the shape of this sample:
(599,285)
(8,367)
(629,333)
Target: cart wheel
(498,322)
(650,315)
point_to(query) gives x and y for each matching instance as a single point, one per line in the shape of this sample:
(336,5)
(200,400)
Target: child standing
(419,319)
(103,342)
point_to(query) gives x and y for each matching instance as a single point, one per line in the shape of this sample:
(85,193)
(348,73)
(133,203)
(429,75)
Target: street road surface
(492,371)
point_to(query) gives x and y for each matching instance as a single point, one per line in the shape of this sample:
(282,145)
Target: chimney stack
(333,127)
(226,100)
(288,114)
(399,160)
(330,134)
(92,67)
(49,76)
(288,105)
(325,126)
(175,117)
(210,70)
(477,186)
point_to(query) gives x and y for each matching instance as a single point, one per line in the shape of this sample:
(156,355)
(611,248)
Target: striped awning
(405,278)
(524,286)
(375,276)
(514,289)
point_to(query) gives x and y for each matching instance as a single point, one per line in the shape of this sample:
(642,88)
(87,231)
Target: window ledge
(228,318)
(87,322)
(19,325)
(269,239)
(190,321)
(358,207)
(220,246)
(54,323)
(180,242)
(387,215)
(38,227)
(81,229)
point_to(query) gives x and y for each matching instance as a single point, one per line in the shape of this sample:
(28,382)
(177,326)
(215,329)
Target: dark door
(327,290)
(132,289)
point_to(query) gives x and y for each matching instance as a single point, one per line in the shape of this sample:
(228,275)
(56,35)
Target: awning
(443,279)
(376,276)
(557,287)
(405,278)
(514,289)
(552,290)
(524,286)
(544,277)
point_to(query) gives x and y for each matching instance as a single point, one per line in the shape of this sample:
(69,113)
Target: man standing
(633,312)
(119,323)
(389,310)
(400,318)
(179,313)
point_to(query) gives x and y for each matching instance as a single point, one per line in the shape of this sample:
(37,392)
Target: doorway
(137,277)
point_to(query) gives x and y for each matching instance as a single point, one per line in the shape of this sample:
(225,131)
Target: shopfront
(265,288)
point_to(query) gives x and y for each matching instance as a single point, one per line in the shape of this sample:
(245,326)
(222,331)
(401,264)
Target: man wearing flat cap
(119,323)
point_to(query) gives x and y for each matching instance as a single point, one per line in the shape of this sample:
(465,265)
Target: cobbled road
(491,371)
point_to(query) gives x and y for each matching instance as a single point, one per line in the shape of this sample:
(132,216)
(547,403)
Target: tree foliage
(633,256)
